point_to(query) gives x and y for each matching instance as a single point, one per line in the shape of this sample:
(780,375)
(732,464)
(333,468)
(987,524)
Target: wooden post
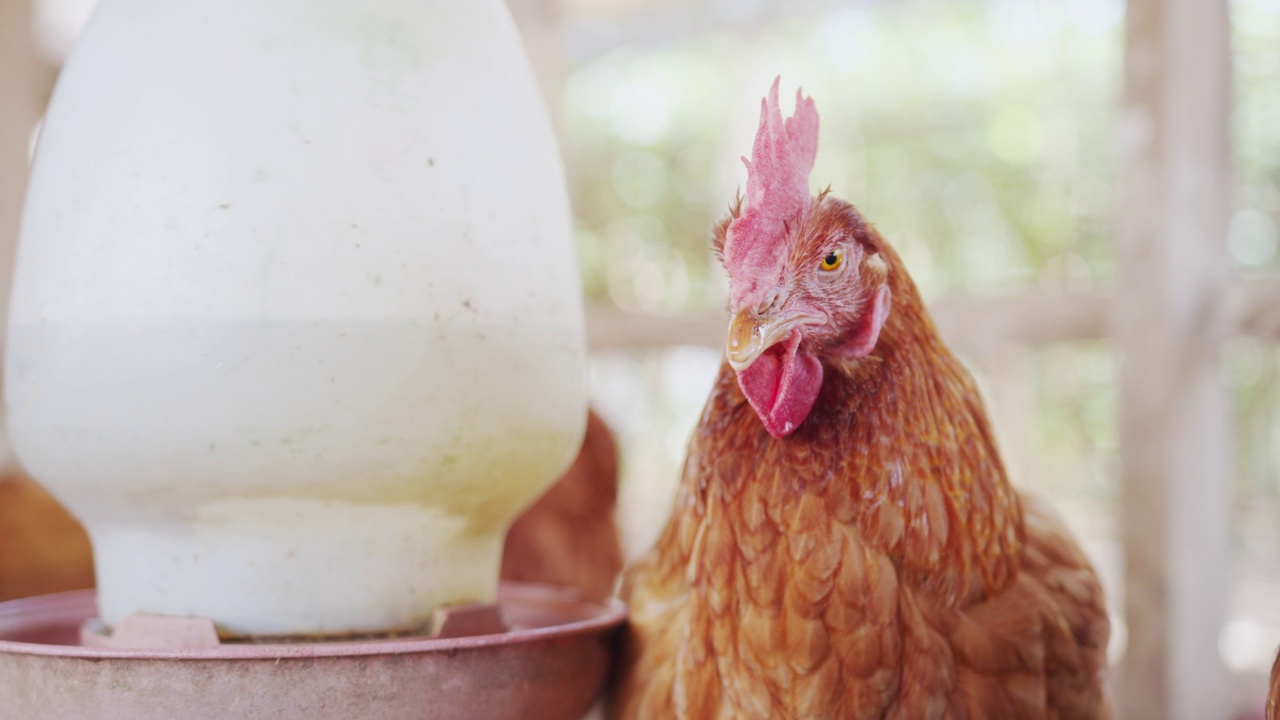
(23,80)
(20,76)
(539,25)
(1170,320)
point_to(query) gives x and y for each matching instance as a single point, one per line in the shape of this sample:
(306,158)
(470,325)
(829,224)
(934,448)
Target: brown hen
(844,541)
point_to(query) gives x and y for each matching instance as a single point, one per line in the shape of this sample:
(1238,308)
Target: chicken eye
(832,261)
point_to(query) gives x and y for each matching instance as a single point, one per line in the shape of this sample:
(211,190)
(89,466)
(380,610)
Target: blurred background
(982,137)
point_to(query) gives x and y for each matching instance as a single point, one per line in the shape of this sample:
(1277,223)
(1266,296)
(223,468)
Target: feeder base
(551,664)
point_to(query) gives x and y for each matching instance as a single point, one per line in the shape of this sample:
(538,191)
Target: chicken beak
(751,334)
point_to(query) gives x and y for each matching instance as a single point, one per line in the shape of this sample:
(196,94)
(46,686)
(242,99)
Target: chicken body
(875,565)
(872,561)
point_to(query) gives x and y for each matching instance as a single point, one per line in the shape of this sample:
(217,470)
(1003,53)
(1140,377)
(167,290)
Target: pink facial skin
(802,288)
(782,385)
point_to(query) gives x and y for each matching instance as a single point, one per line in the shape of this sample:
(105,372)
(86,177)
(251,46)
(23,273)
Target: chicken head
(806,279)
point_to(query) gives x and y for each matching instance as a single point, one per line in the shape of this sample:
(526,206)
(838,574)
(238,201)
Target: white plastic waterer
(296,329)
(296,333)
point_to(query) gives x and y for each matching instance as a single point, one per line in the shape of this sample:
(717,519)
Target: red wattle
(782,385)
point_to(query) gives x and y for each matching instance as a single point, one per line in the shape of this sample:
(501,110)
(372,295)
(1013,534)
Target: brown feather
(874,564)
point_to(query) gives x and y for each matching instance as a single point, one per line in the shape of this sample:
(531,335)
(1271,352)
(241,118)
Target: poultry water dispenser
(296,333)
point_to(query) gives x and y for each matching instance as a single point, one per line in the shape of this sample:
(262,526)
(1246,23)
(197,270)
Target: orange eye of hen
(832,261)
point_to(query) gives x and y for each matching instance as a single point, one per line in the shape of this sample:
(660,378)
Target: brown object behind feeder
(569,536)
(42,548)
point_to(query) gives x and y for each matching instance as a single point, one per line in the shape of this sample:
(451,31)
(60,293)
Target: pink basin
(552,664)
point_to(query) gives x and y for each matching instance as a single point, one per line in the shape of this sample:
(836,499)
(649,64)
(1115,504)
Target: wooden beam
(974,326)
(981,326)
(970,325)
(612,329)
(1168,311)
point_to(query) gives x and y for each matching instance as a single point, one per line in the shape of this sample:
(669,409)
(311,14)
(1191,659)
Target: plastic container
(296,328)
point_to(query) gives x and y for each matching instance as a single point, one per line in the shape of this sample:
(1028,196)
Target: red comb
(777,190)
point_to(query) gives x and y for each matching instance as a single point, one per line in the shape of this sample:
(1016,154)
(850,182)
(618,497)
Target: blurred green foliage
(978,135)
(1252,368)
(1252,236)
